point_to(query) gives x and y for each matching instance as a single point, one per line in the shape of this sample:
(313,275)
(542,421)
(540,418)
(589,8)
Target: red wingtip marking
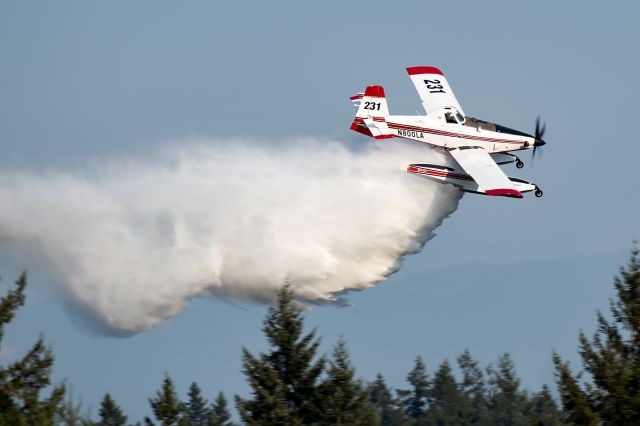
(505,193)
(423,70)
(376,91)
(383,137)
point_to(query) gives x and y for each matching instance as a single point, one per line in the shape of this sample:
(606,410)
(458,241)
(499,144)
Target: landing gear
(519,163)
(538,192)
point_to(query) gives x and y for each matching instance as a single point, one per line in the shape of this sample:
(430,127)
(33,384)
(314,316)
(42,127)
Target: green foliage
(166,406)
(445,398)
(196,409)
(544,410)
(22,382)
(389,411)
(284,380)
(71,412)
(611,358)
(344,399)
(110,413)
(220,415)
(506,402)
(473,389)
(578,408)
(10,303)
(291,385)
(415,399)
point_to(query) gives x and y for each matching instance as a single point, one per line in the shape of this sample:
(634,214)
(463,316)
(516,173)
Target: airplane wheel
(538,193)
(519,164)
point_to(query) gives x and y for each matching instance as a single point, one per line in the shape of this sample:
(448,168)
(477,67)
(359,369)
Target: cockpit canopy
(492,127)
(452,115)
(480,124)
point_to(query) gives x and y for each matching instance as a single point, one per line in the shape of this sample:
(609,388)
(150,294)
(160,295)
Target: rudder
(373,103)
(370,119)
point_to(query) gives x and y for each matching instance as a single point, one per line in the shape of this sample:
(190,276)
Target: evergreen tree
(220,415)
(389,412)
(110,413)
(415,399)
(345,400)
(544,410)
(70,412)
(284,380)
(196,410)
(445,399)
(166,406)
(611,358)
(473,389)
(22,382)
(578,407)
(506,401)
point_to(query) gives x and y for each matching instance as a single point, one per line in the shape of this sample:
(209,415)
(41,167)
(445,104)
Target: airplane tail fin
(373,103)
(370,119)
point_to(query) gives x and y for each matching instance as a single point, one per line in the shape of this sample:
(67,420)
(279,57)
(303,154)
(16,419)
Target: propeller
(537,135)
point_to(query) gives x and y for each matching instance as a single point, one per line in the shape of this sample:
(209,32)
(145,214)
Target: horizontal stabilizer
(357,99)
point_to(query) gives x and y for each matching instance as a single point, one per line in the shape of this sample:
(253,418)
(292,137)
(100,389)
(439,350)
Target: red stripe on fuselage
(449,134)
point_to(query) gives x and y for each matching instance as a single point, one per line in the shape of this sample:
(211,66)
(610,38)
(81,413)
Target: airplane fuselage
(436,131)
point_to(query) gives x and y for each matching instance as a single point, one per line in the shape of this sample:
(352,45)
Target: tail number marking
(372,106)
(434,86)
(410,134)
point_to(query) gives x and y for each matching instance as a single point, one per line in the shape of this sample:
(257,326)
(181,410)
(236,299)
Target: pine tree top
(110,413)
(23,381)
(11,302)
(610,392)
(283,380)
(166,405)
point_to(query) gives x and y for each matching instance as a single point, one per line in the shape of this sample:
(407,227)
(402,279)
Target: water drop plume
(133,241)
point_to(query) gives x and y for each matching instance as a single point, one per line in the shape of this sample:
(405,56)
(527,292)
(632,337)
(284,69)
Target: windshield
(479,124)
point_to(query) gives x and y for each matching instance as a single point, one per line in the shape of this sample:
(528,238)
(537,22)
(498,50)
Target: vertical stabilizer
(372,112)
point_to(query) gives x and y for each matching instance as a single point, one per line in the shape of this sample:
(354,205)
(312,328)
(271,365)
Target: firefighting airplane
(477,146)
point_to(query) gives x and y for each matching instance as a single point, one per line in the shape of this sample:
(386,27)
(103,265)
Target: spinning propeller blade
(538,134)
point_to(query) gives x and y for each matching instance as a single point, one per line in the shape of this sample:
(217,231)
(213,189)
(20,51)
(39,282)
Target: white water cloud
(133,241)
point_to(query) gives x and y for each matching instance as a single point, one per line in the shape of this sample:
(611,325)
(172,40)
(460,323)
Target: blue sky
(85,81)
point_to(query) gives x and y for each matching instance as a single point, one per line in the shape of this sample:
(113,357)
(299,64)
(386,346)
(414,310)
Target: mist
(133,240)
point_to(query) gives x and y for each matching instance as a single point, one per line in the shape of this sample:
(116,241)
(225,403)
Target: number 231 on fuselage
(477,146)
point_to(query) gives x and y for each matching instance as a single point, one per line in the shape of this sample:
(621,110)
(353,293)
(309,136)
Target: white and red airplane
(477,146)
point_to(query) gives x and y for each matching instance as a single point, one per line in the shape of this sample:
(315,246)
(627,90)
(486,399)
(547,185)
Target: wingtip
(423,70)
(505,192)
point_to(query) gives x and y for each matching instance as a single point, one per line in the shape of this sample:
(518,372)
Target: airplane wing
(433,88)
(479,164)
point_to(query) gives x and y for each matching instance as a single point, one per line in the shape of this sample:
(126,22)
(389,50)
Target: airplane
(479,147)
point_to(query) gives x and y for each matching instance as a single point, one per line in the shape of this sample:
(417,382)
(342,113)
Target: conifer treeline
(291,384)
